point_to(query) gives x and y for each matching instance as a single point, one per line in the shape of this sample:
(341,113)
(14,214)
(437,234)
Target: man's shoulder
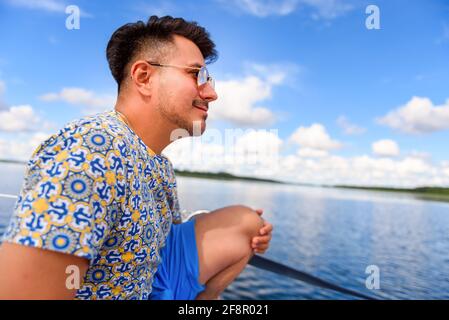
(98,133)
(106,122)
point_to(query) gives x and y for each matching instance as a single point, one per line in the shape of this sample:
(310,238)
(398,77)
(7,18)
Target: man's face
(180,100)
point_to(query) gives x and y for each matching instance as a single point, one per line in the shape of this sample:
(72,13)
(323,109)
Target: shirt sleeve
(72,184)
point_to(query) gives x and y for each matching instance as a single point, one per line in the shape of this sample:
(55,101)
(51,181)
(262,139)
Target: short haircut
(155,36)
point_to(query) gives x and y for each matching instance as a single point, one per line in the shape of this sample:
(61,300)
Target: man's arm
(33,273)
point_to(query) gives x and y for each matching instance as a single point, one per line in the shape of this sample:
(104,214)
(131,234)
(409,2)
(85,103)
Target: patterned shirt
(96,191)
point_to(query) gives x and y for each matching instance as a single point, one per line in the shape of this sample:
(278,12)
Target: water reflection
(336,234)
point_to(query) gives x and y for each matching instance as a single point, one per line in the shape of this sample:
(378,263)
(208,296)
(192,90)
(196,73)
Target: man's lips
(202,106)
(204,109)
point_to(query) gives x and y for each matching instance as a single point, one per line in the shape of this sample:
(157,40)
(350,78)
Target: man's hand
(261,243)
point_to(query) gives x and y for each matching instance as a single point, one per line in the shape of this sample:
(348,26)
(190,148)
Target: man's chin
(194,128)
(198,127)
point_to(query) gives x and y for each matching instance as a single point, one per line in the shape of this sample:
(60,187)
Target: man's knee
(249,220)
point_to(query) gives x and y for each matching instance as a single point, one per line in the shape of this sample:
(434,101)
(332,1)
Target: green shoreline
(221,176)
(425,193)
(430,193)
(421,190)
(12,161)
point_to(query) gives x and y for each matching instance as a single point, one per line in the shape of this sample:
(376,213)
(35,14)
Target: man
(100,198)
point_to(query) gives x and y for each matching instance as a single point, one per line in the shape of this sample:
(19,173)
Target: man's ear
(141,73)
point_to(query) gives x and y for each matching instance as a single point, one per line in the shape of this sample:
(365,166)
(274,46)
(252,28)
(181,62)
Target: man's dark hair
(132,39)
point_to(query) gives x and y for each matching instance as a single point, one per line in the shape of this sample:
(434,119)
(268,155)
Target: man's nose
(208,93)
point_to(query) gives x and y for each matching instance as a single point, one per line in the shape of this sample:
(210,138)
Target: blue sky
(345,100)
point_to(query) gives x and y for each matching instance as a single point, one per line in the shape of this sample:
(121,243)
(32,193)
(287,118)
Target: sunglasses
(202,76)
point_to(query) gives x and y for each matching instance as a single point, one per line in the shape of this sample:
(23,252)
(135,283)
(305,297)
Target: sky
(310,91)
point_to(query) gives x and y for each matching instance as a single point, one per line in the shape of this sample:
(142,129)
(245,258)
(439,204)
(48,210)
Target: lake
(334,234)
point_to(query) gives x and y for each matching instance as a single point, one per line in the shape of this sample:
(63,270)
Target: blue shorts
(177,277)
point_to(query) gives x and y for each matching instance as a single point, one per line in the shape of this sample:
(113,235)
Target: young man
(99,199)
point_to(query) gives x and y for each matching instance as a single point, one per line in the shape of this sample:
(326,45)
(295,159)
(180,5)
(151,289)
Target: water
(331,233)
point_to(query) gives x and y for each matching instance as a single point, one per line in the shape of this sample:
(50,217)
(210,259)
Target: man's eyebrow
(196,65)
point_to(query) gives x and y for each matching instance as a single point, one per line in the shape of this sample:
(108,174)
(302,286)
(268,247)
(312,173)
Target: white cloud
(46,5)
(363,171)
(263,8)
(314,137)
(238,102)
(239,99)
(258,140)
(91,101)
(190,154)
(385,148)
(22,147)
(419,115)
(312,153)
(348,127)
(19,118)
(2,90)
(307,165)
(419,155)
(326,9)
(274,74)
(236,151)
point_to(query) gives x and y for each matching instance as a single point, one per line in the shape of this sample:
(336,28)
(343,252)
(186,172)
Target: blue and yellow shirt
(95,190)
